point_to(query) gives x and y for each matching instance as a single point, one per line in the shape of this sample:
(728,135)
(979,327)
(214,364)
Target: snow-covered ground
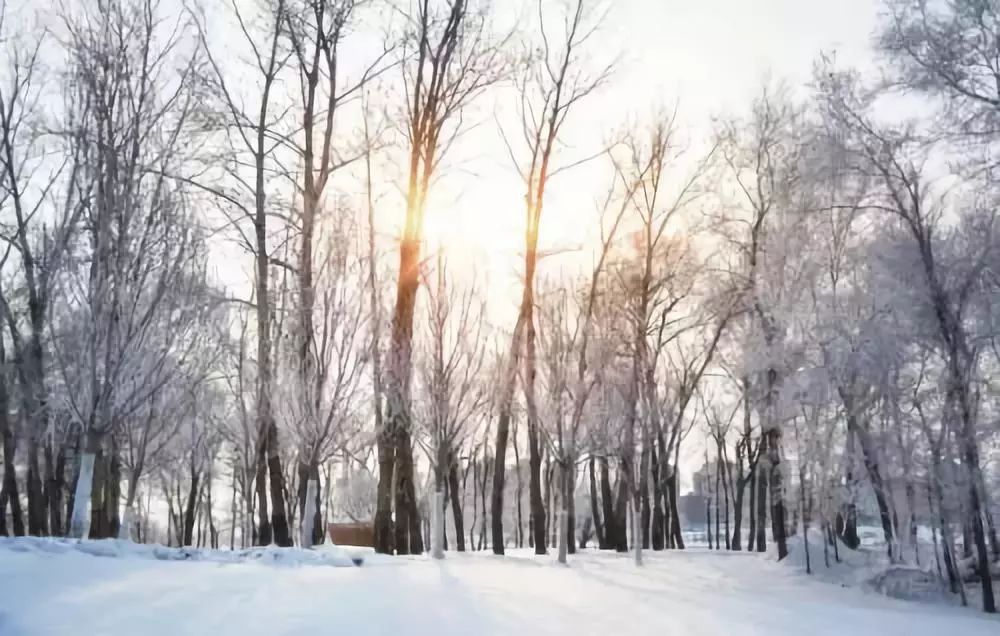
(50,588)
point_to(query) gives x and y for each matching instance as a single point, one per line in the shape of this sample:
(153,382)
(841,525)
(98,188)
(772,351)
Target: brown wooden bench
(358,534)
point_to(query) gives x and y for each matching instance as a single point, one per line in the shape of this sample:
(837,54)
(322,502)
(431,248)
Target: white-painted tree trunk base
(636,537)
(437,525)
(312,487)
(79,527)
(125,530)
(563,536)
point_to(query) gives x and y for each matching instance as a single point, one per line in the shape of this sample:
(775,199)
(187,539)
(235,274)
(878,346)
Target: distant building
(703,479)
(692,510)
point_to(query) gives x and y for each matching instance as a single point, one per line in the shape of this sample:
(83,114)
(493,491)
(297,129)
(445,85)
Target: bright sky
(709,57)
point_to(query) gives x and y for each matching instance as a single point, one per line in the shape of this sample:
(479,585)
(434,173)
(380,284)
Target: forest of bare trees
(224,324)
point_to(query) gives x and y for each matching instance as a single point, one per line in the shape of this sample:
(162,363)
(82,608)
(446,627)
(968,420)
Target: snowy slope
(684,593)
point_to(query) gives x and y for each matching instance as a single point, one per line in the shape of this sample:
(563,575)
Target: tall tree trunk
(763,471)
(398,407)
(646,511)
(736,541)
(658,530)
(384,533)
(189,508)
(8,493)
(475,501)
(535,491)
(74,484)
(937,488)
(752,508)
(456,503)
(37,507)
(725,494)
(570,506)
(621,510)
(534,449)
(611,534)
(871,462)
(310,511)
(718,515)
(708,520)
(519,494)
(482,492)
(279,514)
(112,497)
(97,529)
(970,456)
(595,512)
(772,433)
(233,515)
(409,538)
(55,483)
(675,517)
(547,497)
(503,433)
(263,536)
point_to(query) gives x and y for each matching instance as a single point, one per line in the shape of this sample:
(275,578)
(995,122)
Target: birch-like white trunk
(437,525)
(312,487)
(79,527)
(564,538)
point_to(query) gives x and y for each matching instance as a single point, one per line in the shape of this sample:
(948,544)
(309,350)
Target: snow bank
(116,548)
(868,568)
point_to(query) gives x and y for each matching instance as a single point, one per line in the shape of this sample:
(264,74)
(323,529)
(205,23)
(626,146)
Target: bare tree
(316,29)
(448,61)
(451,382)
(549,89)
(894,159)
(142,246)
(763,158)
(250,132)
(45,205)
